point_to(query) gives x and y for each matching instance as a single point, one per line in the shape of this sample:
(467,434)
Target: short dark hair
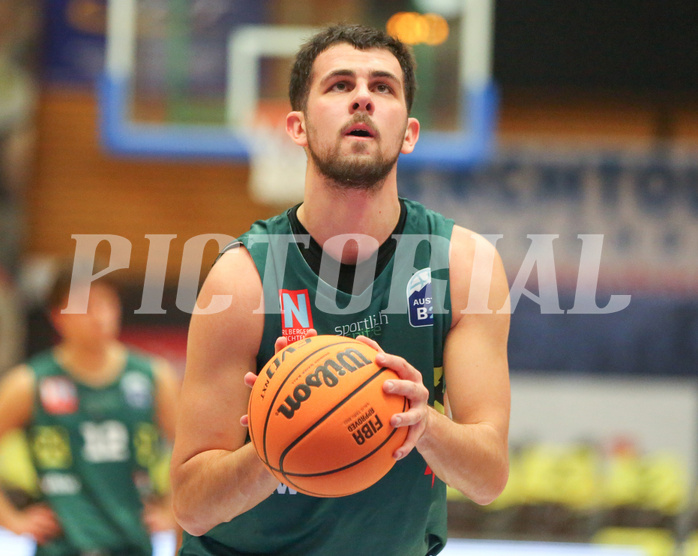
(57,296)
(60,288)
(360,37)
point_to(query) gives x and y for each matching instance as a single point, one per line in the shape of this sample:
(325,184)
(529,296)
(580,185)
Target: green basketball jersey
(406,309)
(92,448)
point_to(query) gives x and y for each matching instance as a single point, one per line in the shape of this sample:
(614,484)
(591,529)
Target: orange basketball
(319,419)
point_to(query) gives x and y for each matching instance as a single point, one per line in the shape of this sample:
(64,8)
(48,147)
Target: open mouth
(362,130)
(359,133)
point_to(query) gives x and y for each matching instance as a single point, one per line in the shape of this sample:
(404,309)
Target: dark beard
(364,175)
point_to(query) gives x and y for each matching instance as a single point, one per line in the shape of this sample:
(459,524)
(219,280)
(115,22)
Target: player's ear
(295,127)
(411,136)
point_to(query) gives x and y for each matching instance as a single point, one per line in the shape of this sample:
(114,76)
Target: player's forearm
(215,486)
(472,458)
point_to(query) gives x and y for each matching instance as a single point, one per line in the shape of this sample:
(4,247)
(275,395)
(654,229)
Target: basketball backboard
(194,78)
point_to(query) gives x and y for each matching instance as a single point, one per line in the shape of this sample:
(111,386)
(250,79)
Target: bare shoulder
(16,398)
(230,301)
(475,354)
(234,274)
(466,243)
(227,324)
(478,279)
(224,336)
(19,379)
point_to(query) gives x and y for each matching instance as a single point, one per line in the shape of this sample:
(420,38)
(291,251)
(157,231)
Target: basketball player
(93,412)
(437,308)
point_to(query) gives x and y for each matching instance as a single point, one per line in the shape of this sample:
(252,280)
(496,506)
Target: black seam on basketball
(328,414)
(322,473)
(265,458)
(289,483)
(317,423)
(405,407)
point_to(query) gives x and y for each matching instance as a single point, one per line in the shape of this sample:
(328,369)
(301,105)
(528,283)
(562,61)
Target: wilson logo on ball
(326,374)
(319,418)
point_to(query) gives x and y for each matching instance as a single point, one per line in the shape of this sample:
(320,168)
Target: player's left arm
(157,512)
(469,449)
(167,385)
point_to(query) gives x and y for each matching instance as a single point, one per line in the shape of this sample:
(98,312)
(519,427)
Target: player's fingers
(415,392)
(148,517)
(250,379)
(399,365)
(156,518)
(39,536)
(44,530)
(41,510)
(369,342)
(43,520)
(409,418)
(310,333)
(281,343)
(413,435)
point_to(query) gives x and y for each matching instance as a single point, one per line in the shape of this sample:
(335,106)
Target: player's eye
(340,86)
(383,88)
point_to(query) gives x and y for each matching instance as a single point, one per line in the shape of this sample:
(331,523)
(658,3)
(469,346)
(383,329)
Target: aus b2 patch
(419,299)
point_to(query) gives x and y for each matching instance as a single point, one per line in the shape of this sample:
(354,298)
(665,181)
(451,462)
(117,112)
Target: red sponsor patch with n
(58,395)
(296,316)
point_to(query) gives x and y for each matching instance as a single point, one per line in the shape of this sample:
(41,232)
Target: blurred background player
(94,413)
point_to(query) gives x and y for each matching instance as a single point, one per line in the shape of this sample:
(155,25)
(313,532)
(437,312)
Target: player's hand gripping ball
(319,419)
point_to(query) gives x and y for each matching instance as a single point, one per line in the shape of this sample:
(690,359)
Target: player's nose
(362,100)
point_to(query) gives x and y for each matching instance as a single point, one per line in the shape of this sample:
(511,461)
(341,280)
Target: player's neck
(328,212)
(96,365)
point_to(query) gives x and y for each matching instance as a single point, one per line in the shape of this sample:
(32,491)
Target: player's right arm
(215,475)
(16,405)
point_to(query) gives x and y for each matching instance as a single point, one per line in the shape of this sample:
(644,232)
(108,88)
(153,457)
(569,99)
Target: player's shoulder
(467,244)
(230,296)
(20,377)
(17,388)
(233,267)
(476,268)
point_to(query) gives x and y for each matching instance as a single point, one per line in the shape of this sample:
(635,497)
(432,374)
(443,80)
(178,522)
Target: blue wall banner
(616,228)
(75,42)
